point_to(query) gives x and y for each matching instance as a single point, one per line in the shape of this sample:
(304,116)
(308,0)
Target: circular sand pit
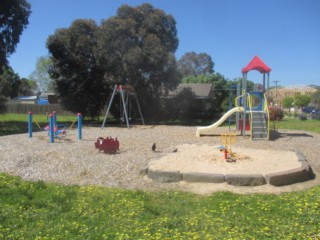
(206,163)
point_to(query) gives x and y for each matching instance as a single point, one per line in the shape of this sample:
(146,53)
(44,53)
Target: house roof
(201,90)
(25,98)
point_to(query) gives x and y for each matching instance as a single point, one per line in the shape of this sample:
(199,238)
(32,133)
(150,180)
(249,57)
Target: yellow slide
(219,122)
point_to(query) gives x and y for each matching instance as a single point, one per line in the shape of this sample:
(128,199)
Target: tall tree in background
(41,74)
(27,87)
(9,83)
(193,64)
(287,102)
(78,77)
(137,48)
(14,16)
(301,100)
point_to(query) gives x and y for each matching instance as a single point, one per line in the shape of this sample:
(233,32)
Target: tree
(182,105)
(27,87)
(14,16)
(315,99)
(219,85)
(137,48)
(9,83)
(77,75)
(287,102)
(41,74)
(193,64)
(302,100)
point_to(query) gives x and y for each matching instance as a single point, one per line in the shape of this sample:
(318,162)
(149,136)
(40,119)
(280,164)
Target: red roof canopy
(256,64)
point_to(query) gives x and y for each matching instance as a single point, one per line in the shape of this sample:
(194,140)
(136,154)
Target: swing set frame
(129,91)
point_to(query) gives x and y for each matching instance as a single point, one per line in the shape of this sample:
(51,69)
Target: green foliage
(303,117)
(137,48)
(14,18)
(276,114)
(315,99)
(41,75)
(79,79)
(11,86)
(221,91)
(287,102)
(9,82)
(37,210)
(193,64)
(302,100)
(3,101)
(180,106)
(27,87)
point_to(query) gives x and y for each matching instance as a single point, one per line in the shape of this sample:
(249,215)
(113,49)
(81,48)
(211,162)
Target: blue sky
(285,34)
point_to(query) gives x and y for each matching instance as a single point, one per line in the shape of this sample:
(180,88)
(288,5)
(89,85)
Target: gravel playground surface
(71,161)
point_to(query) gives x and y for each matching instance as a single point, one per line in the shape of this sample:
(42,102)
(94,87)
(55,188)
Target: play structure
(252,106)
(227,140)
(107,145)
(54,129)
(126,93)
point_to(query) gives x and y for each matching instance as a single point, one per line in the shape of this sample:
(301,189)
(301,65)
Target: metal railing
(266,110)
(250,104)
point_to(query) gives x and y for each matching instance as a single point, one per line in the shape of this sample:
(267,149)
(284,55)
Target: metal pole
(139,108)
(54,118)
(108,109)
(238,104)
(30,124)
(79,126)
(276,81)
(51,130)
(244,102)
(124,107)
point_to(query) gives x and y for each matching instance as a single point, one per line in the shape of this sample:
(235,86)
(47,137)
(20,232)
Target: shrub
(316,115)
(303,117)
(276,114)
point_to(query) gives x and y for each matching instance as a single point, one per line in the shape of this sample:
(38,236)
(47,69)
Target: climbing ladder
(259,128)
(258,115)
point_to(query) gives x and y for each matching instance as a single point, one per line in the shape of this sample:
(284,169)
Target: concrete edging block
(288,177)
(245,179)
(164,176)
(203,177)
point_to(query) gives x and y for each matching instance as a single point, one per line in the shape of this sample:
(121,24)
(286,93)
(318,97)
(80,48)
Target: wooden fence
(36,109)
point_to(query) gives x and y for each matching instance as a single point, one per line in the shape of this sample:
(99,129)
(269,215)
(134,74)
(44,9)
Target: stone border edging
(282,178)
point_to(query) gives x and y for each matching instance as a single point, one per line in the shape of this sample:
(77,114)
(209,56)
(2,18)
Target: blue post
(51,131)
(79,126)
(30,124)
(54,118)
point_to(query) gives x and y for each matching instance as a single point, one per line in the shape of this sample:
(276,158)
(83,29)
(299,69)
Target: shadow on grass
(274,135)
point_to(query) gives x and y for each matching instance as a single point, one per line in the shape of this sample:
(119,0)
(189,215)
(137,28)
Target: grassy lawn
(309,125)
(38,210)
(18,123)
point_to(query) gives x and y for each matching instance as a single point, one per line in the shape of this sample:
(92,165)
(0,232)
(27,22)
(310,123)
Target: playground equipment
(252,105)
(227,140)
(54,129)
(129,91)
(200,130)
(108,145)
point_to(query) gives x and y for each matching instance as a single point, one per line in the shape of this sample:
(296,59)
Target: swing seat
(59,130)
